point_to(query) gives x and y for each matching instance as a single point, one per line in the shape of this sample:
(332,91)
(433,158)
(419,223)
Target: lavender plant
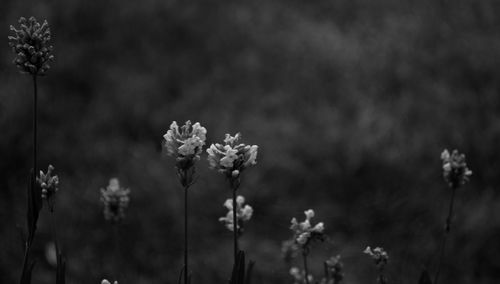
(304,235)
(49,184)
(185,145)
(115,200)
(31,44)
(231,159)
(334,271)
(455,174)
(380,257)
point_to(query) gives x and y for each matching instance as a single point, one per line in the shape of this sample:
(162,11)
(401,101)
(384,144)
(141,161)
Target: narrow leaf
(248,279)
(61,269)
(180,274)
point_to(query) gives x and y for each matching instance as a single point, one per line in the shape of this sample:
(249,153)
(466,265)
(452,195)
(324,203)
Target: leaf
(250,266)
(238,274)
(26,275)
(425,278)
(34,207)
(180,274)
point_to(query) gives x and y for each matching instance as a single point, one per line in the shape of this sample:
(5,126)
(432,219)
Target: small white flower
(309,214)
(115,200)
(187,143)
(455,171)
(304,232)
(243,213)
(232,158)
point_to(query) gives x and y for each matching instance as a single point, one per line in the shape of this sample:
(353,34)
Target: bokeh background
(350,101)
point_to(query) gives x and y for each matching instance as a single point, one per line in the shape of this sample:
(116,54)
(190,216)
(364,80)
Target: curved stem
(447,229)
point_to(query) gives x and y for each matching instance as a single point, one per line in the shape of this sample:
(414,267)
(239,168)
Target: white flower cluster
(299,276)
(379,255)
(232,158)
(243,213)
(304,231)
(50,185)
(115,200)
(455,171)
(185,144)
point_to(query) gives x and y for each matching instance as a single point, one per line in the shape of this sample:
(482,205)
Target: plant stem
(306,270)
(116,251)
(235,222)
(186,270)
(447,229)
(54,233)
(35,123)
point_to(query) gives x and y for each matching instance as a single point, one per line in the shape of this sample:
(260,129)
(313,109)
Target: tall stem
(306,270)
(235,222)
(186,270)
(116,251)
(35,123)
(447,229)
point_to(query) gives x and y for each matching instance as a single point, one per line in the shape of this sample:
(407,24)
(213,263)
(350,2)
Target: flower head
(185,144)
(304,232)
(49,185)
(334,270)
(299,276)
(232,158)
(115,200)
(243,214)
(379,255)
(455,171)
(31,45)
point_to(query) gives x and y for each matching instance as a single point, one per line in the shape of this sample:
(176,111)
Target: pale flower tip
(104,281)
(235,173)
(309,213)
(367,250)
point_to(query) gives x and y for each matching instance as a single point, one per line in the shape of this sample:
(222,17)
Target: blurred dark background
(350,101)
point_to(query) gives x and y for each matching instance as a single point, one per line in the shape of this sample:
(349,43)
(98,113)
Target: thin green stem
(447,229)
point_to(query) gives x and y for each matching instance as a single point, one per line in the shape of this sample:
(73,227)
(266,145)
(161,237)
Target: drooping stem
(306,269)
(447,229)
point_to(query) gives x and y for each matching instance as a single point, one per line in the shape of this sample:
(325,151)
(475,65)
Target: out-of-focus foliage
(350,102)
